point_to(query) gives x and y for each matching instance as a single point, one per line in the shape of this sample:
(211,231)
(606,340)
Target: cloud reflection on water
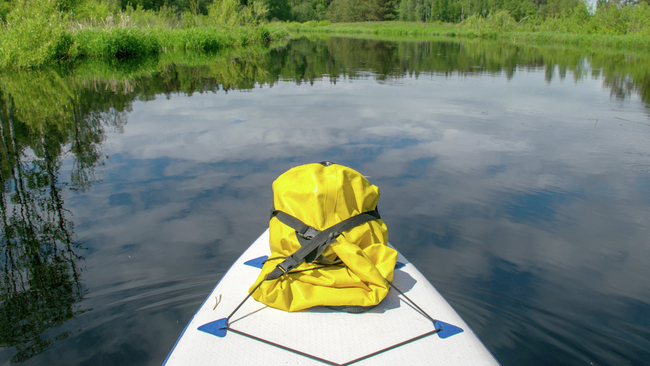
(524,202)
(515,196)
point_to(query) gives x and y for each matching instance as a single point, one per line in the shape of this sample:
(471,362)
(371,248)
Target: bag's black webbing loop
(293,222)
(312,248)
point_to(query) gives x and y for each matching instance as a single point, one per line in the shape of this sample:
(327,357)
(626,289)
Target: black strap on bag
(314,242)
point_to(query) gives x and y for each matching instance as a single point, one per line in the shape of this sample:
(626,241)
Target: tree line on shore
(449,11)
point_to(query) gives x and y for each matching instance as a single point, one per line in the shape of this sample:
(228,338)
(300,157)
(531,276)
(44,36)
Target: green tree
(455,11)
(305,10)
(196,6)
(68,5)
(555,8)
(361,10)
(278,9)
(446,11)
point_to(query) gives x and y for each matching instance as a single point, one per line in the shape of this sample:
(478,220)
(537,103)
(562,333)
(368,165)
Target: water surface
(517,180)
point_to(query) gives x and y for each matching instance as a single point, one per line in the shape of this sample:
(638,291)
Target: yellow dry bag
(328,243)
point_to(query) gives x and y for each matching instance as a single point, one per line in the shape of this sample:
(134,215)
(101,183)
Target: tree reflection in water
(42,121)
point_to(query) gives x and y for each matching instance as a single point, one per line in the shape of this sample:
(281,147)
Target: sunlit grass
(428,30)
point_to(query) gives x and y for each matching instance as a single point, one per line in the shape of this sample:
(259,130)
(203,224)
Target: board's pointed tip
(217,327)
(447,330)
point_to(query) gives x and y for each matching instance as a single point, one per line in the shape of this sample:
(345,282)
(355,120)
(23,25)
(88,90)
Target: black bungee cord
(325,361)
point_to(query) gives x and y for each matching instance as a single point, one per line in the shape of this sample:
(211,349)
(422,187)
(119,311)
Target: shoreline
(405,30)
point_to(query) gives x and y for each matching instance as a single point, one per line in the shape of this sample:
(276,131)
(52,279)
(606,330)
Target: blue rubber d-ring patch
(217,327)
(257,262)
(447,330)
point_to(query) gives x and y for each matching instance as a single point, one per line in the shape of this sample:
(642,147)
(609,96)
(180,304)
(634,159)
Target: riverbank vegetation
(37,33)
(614,23)
(41,32)
(575,16)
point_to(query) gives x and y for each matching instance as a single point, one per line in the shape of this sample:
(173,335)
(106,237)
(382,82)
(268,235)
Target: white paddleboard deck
(322,333)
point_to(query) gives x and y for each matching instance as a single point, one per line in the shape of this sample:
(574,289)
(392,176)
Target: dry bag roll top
(328,244)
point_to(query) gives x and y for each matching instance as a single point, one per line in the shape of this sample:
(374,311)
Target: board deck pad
(337,337)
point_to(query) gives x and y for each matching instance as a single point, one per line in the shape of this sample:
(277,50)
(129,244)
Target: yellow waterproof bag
(328,243)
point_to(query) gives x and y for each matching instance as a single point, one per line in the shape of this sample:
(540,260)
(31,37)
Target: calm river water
(517,179)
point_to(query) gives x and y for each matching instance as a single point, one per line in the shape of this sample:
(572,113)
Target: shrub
(226,14)
(35,34)
(200,39)
(493,23)
(610,19)
(164,17)
(639,19)
(93,9)
(115,42)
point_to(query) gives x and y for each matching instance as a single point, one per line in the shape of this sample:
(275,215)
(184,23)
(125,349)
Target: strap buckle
(309,233)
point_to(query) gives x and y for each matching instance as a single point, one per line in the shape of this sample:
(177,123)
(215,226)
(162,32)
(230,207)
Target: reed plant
(113,42)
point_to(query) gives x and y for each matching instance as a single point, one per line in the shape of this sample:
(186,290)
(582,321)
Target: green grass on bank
(392,28)
(129,42)
(397,29)
(120,43)
(37,33)
(625,42)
